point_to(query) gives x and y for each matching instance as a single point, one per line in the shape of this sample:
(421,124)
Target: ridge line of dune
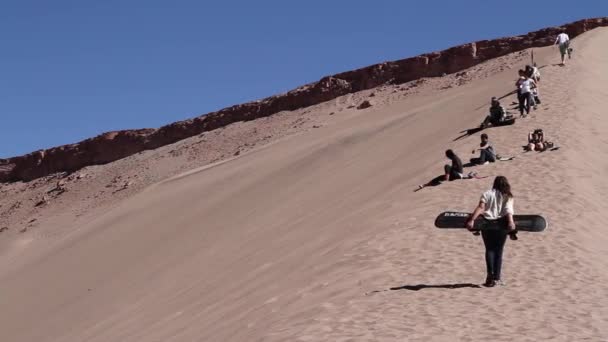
(111,146)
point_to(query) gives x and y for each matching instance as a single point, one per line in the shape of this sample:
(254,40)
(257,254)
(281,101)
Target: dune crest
(112,146)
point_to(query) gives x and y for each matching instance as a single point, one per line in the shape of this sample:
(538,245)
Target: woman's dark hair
(450,154)
(502,185)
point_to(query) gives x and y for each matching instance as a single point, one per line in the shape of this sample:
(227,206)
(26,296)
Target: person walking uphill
(495,204)
(564,46)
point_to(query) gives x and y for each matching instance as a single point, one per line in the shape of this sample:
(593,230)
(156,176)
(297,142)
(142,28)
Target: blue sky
(70,70)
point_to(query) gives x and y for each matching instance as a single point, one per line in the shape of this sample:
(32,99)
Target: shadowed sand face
(283,242)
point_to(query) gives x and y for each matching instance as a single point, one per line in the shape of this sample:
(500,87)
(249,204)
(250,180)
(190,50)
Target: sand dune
(303,239)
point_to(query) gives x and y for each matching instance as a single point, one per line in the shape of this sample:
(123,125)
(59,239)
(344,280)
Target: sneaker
(486,163)
(499,282)
(489,282)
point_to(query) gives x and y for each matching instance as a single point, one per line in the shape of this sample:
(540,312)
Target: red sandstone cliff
(111,146)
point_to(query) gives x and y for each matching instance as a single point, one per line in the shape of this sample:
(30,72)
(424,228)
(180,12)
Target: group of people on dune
(526,88)
(497,203)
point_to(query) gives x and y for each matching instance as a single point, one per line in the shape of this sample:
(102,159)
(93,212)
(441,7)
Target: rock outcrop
(112,146)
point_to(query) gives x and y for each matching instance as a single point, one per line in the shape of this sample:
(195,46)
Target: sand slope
(303,239)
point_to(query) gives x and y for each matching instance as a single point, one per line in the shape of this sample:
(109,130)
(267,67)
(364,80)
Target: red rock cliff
(111,146)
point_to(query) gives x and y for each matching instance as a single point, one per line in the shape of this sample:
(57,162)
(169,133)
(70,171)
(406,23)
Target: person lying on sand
(486,152)
(495,204)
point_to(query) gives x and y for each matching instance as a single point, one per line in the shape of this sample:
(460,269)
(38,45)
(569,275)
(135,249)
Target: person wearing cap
(497,114)
(564,46)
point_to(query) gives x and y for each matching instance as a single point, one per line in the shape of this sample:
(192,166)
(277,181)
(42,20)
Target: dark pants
(525,101)
(494,240)
(485,156)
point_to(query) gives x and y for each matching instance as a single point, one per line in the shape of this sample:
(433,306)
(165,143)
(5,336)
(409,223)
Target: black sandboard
(506,122)
(525,223)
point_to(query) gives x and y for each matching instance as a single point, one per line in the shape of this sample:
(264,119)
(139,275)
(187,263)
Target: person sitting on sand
(486,151)
(497,115)
(454,171)
(536,140)
(495,204)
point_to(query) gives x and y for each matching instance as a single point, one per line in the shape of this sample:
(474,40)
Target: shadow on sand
(441,286)
(419,287)
(468,132)
(433,182)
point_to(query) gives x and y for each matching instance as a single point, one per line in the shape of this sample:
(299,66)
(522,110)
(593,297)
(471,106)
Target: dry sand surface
(304,227)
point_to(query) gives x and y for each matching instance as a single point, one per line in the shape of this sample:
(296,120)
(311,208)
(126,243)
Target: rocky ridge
(112,146)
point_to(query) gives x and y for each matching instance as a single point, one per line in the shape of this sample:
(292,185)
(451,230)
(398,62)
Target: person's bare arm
(478,210)
(510,222)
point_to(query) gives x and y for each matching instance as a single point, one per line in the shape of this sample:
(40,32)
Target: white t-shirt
(525,86)
(562,38)
(497,205)
(535,73)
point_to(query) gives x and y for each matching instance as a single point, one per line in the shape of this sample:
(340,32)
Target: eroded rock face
(112,146)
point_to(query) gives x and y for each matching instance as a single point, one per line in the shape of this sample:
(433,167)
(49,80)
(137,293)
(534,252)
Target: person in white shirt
(564,46)
(525,96)
(495,204)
